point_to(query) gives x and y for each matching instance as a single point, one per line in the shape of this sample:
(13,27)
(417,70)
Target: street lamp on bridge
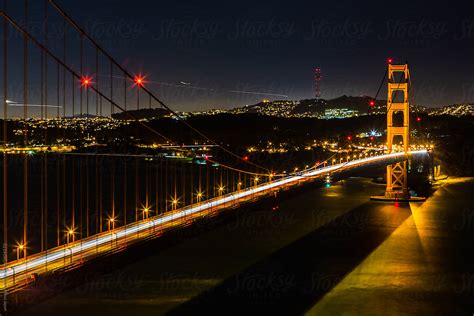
(70,235)
(111,222)
(270,176)
(220,190)
(174,203)
(199,196)
(146,212)
(19,248)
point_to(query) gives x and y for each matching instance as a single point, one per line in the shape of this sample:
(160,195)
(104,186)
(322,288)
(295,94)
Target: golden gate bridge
(63,207)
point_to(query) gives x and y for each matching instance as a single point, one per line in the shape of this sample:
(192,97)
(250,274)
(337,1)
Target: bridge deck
(18,274)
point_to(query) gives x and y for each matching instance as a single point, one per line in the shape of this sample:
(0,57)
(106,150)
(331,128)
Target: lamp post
(146,212)
(199,196)
(111,222)
(70,233)
(270,177)
(220,190)
(19,248)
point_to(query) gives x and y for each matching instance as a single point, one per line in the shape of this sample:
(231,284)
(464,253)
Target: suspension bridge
(67,198)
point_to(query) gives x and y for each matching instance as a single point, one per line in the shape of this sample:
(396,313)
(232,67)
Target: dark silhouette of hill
(142,114)
(317,106)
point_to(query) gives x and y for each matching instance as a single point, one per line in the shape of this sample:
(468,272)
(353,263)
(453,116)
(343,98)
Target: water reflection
(422,266)
(328,251)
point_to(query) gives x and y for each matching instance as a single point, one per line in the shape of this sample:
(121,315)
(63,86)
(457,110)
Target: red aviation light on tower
(418,119)
(139,81)
(86,81)
(372,103)
(246,158)
(349,137)
(389,60)
(317,82)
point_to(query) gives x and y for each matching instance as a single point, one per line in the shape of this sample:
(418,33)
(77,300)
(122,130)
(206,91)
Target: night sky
(273,47)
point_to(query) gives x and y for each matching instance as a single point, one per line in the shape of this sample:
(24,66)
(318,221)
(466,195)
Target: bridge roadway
(19,273)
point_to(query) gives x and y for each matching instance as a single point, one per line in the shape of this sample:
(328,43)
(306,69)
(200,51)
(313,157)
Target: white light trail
(34,105)
(183,84)
(18,104)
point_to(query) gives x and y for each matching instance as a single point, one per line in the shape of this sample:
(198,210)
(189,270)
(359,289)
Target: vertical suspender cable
(25,116)
(125,190)
(5,137)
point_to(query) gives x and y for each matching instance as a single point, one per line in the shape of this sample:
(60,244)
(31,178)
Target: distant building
(339,113)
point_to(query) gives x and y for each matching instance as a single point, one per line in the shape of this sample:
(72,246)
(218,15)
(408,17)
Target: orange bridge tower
(398,134)
(398,83)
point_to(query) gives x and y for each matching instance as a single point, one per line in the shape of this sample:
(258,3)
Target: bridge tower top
(397,105)
(392,69)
